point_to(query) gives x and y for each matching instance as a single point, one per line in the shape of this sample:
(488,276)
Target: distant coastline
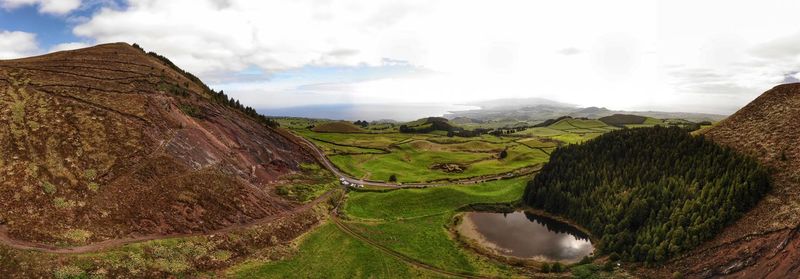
(369,112)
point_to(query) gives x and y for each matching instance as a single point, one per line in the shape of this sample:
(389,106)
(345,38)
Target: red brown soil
(764,243)
(94,146)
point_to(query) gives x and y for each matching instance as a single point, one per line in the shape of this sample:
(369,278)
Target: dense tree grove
(620,120)
(648,193)
(362,123)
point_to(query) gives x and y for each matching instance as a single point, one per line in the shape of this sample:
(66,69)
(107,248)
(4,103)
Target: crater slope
(764,243)
(109,142)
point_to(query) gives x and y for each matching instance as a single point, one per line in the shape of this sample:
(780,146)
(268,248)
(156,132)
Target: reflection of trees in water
(556,226)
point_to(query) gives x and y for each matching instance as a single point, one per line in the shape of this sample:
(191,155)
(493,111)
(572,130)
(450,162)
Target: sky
(695,56)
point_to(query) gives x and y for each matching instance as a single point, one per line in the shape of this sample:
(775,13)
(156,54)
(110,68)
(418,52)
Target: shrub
(90,174)
(557,267)
(545,268)
(393,178)
(190,110)
(69,272)
(608,266)
(63,203)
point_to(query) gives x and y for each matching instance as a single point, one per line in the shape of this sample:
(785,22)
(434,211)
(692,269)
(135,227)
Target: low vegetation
(330,253)
(412,222)
(337,127)
(620,120)
(648,193)
(308,184)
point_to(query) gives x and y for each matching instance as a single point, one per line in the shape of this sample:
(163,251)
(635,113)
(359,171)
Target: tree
(504,153)
(393,178)
(545,268)
(557,267)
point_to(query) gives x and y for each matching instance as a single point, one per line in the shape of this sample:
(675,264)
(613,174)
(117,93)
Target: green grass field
(328,252)
(570,130)
(414,221)
(418,157)
(414,164)
(430,157)
(409,221)
(410,203)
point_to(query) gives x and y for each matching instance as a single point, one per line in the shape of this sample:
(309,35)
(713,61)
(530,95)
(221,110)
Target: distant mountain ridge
(538,109)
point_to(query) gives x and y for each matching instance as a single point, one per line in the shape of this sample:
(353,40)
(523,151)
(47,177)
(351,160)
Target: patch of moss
(48,188)
(90,174)
(63,203)
(222,255)
(78,235)
(18,112)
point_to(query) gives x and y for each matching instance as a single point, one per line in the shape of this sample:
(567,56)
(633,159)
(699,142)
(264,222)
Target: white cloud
(45,6)
(16,44)
(68,46)
(632,53)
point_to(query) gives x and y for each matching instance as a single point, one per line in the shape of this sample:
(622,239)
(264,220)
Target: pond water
(526,235)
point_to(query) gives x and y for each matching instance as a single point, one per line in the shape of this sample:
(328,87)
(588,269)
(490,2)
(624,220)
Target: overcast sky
(704,56)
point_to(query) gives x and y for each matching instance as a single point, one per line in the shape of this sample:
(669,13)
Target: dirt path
(409,260)
(111,243)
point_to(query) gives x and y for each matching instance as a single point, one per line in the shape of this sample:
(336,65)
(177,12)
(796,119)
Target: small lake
(526,235)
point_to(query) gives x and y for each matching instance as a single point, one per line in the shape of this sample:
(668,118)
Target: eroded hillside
(764,243)
(110,142)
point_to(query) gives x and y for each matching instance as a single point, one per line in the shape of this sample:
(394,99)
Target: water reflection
(525,235)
